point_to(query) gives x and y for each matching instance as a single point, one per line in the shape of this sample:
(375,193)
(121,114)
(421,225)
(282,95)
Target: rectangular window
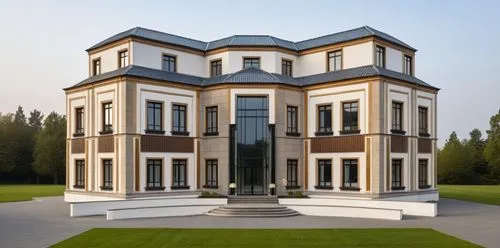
(79,174)
(179,173)
(251,63)
(422,121)
(211,125)
(324,173)
(397,174)
(154,117)
(397,117)
(107,174)
(292,120)
(380,56)
(179,119)
(350,174)
(169,63)
(154,174)
(216,68)
(107,118)
(79,122)
(96,67)
(422,174)
(291,173)
(122,58)
(211,176)
(324,120)
(286,67)
(335,60)
(350,117)
(408,67)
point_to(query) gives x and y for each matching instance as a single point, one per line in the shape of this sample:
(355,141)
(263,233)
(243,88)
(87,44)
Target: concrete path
(46,221)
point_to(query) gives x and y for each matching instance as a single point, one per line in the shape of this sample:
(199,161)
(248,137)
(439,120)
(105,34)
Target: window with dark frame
(422,121)
(350,117)
(286,67)
(154,118)
(423,182)
(211,173)
(169,63)
(397,117)
(335,60)
(96,66)
(216,68)
(122,58)
(107,174)
(291,173)
(408,66)
(179,173)
(397,174)
(79,122)
(179,119)
(350,174)
(292,121)
(79,174)
(251,63)
(324,120)
(154,174)
(107,118)
(380,56)
(211,125)
(324,174)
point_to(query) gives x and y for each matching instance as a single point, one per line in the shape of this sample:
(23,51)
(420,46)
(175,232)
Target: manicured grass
(487,194)
(235,238)
(13,193)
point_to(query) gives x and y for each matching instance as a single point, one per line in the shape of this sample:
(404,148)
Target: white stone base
(353,212)
(151,212)
(82,197)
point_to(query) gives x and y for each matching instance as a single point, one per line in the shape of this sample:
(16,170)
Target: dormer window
(169,63)
(380,56)
(122,58)
(96,67)
(251,63)
(286,67)
(408,65)
(335,60)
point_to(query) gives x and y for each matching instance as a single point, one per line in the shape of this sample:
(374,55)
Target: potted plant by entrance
(272,186)
(232,188)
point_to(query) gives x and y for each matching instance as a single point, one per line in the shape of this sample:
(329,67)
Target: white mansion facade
(340,115)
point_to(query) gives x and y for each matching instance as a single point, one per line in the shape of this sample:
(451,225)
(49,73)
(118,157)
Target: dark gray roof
(254,76)
(252,40)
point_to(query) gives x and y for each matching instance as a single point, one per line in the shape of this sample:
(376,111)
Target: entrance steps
(253,206)
(264,199)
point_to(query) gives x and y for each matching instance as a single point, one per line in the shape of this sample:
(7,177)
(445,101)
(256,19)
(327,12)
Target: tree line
(475,160)
(32,149)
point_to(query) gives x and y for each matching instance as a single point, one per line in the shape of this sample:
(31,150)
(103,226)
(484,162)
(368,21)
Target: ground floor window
(397,172)
(179,173)
(79,174)
(324,173)
(350,174)
(211,173)
(291,173)
(107,175)
(154,174)
(422,174)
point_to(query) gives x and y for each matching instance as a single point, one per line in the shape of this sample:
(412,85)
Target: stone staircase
(253,206)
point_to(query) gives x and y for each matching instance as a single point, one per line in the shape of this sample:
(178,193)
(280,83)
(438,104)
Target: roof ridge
(369,29)
(161,32)
(350,30)
(376,69)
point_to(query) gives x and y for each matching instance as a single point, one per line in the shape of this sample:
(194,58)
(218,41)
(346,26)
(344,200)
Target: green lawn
(487,194)
(13,193)
(235,238)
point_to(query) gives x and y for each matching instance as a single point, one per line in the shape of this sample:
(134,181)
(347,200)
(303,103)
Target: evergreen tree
(492,149)
(8,143)
(35,120)
(454,162)
(475,146)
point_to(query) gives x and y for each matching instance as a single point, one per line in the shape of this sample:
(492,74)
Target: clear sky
(42,43)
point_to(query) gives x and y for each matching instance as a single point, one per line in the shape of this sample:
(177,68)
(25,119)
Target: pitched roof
(253,76)
(252,40)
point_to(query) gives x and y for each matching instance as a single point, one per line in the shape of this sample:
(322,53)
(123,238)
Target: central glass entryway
(252,145)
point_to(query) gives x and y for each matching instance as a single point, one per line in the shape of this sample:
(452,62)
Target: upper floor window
(154,174)
(79,174)
(291,173)
(179,115)
(211,127)
(408,65)
(169,63)
(107,174)
(324,174)
(251,63)
(179,173)
(79,122)
(211,173)
(122,58)
(397,174)
(397,117)
(292,121)
(286,67)
(216,68)
(324,120)
(422,174)
(350,174)
(154,117)
(107,117)
(335,60)
(380,56)
(96,67)
(422,121)
(350,117)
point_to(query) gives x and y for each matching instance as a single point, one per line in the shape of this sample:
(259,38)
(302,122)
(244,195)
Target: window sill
(210,134)
(350,131)
(323,133)
(78,134)
(398,188)
(107,188)
(426,135)
(294,187)
(424,186)
(400,132)
(293,134)
(179,187)
(147,131)
(323,187)
(79,186)
(179,133)
(350,188)
(154,188)
(210,186)
(106,132)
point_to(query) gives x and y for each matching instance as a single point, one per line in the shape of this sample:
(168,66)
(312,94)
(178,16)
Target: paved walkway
(46,221)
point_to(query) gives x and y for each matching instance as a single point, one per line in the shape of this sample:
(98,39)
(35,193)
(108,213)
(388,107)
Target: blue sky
(42,48)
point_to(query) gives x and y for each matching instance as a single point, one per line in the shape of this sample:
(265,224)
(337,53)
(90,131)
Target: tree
(35,120)
(475,146)
(50,152)
(20,118)
(8,143)
(454,162)
(492,149)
